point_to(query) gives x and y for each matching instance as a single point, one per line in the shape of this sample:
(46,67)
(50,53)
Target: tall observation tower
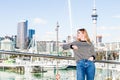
(94,19)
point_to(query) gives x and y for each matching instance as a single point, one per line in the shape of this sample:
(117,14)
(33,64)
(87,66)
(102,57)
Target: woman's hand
(74,47)
(91,58)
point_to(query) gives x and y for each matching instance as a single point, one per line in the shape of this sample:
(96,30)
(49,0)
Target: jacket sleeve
(66,46)
(93,51)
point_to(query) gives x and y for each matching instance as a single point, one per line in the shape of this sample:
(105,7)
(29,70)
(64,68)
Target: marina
(49,75)
(46,67)
(35,51)
(105,70)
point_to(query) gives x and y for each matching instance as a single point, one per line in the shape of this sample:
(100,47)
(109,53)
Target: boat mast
(71,24)
(70,19)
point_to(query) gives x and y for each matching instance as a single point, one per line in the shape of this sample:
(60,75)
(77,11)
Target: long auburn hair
(86,35)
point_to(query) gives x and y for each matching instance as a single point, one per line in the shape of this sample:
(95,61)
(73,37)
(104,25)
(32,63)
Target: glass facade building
(22,34)
(31,33)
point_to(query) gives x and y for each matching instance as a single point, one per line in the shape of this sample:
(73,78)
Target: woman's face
(80,35)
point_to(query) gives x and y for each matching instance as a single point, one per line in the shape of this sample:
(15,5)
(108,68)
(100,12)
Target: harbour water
(49,75)
(70,74)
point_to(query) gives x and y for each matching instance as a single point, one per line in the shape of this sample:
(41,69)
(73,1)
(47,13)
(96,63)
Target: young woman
(84,55)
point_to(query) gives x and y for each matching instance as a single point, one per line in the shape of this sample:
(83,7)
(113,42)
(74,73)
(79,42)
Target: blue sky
(43,15)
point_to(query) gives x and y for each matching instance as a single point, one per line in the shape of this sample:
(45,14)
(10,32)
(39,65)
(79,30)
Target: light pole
(57,41)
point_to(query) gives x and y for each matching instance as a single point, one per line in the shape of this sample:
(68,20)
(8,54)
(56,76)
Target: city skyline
(43,16)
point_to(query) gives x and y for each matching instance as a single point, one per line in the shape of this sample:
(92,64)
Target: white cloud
(50,33)
(109,28)
(116,16)
(102,28)
(40,21)
(106,35)
(109,33)
(48,36)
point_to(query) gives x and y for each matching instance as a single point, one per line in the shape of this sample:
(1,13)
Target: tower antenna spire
(94,19)
(94,6)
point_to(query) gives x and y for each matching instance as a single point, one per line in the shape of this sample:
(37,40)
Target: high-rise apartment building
(22,34)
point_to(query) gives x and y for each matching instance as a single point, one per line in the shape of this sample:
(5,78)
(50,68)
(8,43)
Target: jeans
(85,70)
